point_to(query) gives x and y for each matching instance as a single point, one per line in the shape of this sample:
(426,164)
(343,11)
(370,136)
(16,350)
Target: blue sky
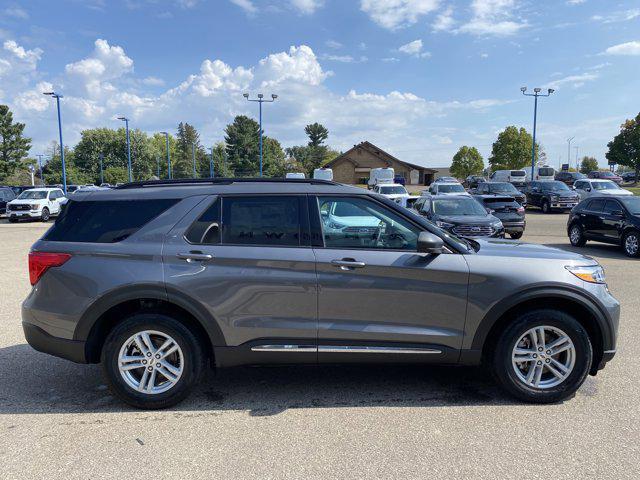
(418,78)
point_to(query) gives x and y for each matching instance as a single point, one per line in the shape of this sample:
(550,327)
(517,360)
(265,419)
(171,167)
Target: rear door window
(105,221)
(612,206)
(262,220)
(596,205)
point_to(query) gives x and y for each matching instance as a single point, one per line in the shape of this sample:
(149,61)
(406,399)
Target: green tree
(624,149)
(588,164)
(241,139)
(158,153)
(52,170)
(275,164)
(512,149)
(317,134)
(188,144)
(467,161)
(114,175)
(13,145)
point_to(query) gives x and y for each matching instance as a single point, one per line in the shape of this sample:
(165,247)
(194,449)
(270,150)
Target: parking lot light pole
(57,96)
(536,93)
(193,158)
(158,166)
(260,101)
(211,163)
(126,123)
(166,136)
(40,168)
(101,157)
(569,140)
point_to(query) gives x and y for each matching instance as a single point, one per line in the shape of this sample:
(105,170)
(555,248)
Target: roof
(178,189)
(370,147)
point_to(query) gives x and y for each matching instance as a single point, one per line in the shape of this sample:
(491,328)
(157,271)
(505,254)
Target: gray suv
(157,280)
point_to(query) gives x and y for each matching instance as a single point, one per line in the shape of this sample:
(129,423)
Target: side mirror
(618,213)
(489,211)
(588,189)
(430,243)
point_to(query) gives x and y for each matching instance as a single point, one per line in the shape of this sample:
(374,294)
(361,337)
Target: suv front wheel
(543,356)
(152,361)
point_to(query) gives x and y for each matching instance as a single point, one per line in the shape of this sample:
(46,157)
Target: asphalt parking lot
(58,420)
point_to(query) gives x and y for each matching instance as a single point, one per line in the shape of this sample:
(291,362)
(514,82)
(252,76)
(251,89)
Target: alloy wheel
(575,235)
(631,244)
(151,362)
(543,357)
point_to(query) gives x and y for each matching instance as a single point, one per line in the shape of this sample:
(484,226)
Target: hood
(614,192)
(24,201)
(467,219)
(396,195)
(513,248)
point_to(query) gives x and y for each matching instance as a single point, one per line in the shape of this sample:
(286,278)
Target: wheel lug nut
(158,365)
(535,355)
(548,352)
(149,368)
(144,362)
(547,360)
(157,355)
(539,362)
(148,354)
(540,349)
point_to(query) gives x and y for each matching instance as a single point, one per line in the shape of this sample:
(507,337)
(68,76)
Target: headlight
(555,198)
(336,226)
(497,225)
(35,206)
(591,274)
(444,224)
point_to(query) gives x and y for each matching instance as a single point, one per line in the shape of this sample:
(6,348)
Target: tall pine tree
(13,145)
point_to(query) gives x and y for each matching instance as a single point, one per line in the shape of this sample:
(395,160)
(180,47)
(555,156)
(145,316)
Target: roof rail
(220,181)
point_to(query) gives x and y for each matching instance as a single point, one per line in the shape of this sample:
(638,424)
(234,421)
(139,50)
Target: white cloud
(103,85)
(344,58)
(620,16)
(628,48)
(444,22)
(333,44)
(390,59)
(307,7)
(246,5)
(414,49)
(575,81)
(16,12)
(393,14)
(484,55)
(493,17)
(575,2)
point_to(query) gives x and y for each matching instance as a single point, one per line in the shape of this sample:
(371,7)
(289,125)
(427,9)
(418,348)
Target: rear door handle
(347,264)
(194,257)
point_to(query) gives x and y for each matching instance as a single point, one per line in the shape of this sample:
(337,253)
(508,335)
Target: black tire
(13,220)
(505,373)
(631,244)
(576,236)
(516,235)
(192,351)
(45,215)
(546,208)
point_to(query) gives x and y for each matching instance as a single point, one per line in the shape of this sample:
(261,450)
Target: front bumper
(514,227)
(24,214)
(41,341)
(564,204)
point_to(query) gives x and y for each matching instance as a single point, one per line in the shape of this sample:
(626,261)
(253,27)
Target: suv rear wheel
(546,207)
(543,356)
(152,361)
(576,236)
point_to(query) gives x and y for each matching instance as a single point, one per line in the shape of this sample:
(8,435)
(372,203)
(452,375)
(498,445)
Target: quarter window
(596,205)
(360,223)
(206,230)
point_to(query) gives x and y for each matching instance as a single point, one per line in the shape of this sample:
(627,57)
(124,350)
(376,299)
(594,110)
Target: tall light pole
(211,162)
(158,166)
(101,157)
(166,136)
(40,167)
(193,158)
(569,150)
(577,164)
(260,101)
(57,96)
(126,124)
(536,93)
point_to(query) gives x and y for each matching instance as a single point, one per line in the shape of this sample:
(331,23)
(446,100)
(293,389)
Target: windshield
(457,206)
(605,186)
(578,175)
(554,186)
(632,204)
(393,190)
(33,195)
(517,173)
(450,189)
(546,172)
(606,174)
(502,188)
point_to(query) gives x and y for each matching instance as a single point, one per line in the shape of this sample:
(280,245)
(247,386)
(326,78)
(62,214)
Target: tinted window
(580,185)
(451,188)
(502,188)
(360,223)
(33,195)
(261,220)
(612,206)
(104,222)
(632,204)
(517,173)
(458,206)
(206,230)
(546,172)
(596,205)
(554,186)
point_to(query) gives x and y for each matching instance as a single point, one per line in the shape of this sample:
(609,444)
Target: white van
(323,174)
(517,177)
(381,175)
(542,173)
(295,175)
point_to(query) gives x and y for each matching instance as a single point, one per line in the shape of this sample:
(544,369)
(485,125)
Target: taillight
(40,262)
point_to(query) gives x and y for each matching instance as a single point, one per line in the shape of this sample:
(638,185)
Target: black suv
(551,195)
(6,195)
(501,189)
(510,213)
(609,220)
(569,177)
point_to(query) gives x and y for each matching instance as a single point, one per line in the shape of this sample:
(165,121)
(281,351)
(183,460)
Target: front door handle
(347,264)
(194,257)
